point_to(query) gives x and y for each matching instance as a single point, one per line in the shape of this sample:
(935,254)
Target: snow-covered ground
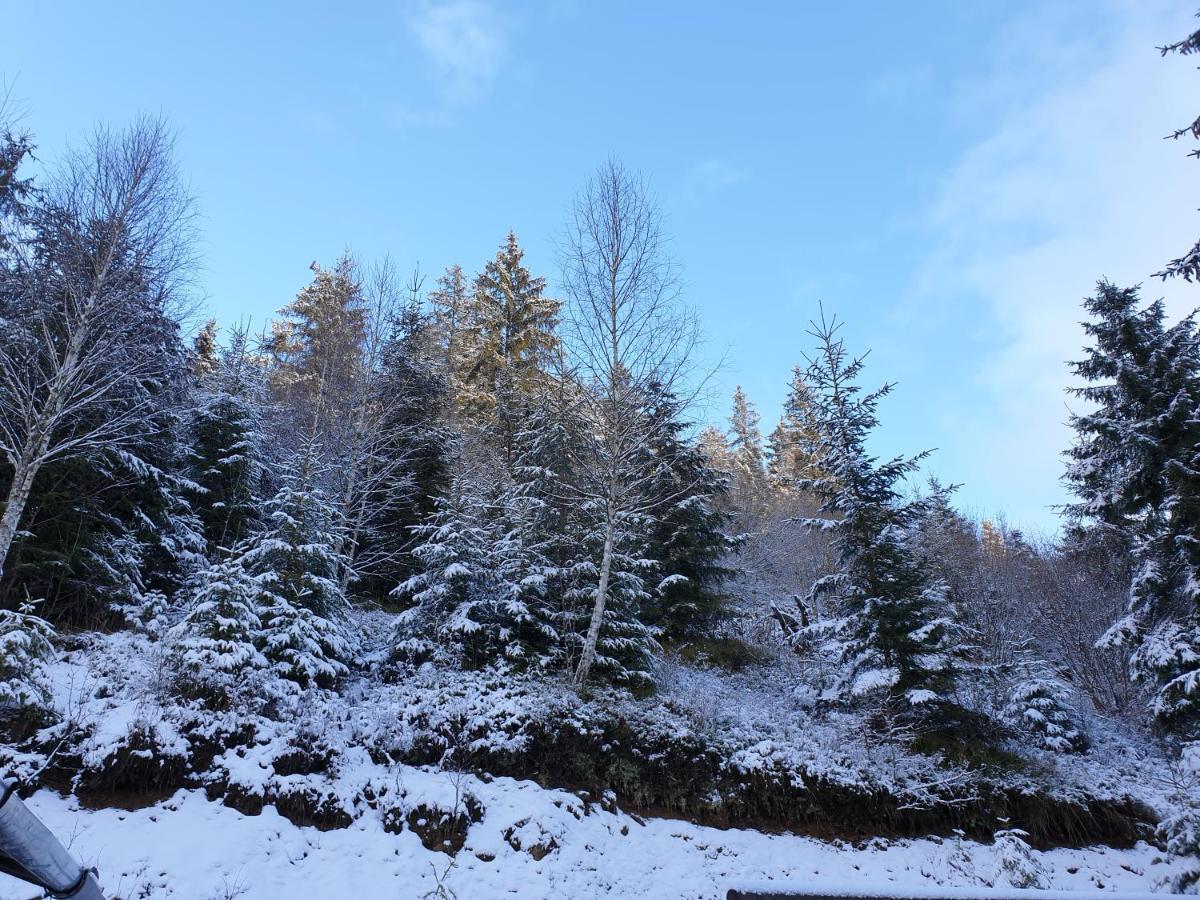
(189,847)
(527,841)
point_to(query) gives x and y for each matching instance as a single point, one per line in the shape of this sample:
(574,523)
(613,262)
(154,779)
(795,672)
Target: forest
(473,526)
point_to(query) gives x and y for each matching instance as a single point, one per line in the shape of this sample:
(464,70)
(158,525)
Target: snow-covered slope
(192,849)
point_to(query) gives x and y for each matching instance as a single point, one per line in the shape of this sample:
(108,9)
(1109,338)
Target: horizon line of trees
(519,477)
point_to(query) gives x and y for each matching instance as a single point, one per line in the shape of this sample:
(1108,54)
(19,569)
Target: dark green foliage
(227,447)
(1135,471)
(414,394)
(889,627)
(689,538)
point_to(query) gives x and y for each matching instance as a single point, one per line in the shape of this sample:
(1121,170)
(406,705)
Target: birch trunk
(14,506)
(593,635)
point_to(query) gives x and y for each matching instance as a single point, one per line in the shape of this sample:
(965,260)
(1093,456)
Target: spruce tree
(25,650)
(295,562)
(888,628)
(691,539)
(454,596)
(413,447)
(1039,706)
(228,454)
(513,342)
(317,349)
(794,447)
(1188,265)
(457,334)
(514,322)
(1135,472)
(220,638)
(746,439)
(205,352)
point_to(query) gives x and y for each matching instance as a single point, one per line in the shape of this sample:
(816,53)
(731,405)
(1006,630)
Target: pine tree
(205,350)
(295,562)
(540,517)
(746,438)
(690,539)
(228,456)
(1039,706)
(15,148)
(218,642)
(794,447)
(713,443)
(454,595)
(514,329)
(25,649)
(493,561)
(457,334)
(317,349)
(1015,860)
(1188,265)
(412,448)
(1180,828)
(889,630)
(1135,471)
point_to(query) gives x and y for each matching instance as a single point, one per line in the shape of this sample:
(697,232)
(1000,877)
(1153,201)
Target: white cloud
(1070,183)
(716,173)
(901,84)
(465,43)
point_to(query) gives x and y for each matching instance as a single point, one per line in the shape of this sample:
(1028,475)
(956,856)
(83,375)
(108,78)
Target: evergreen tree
(218,642)
(454,596)
(494,558)
(25,649)
(514,329)
(317,349)
(1039,706)
(412,448)
(457,334)
(794,447)
(889,630)
(228,448)
(295,562)
(205,352)
(1180,829)
(625,643)
(1188,265)
(1015,860)
(746,438)
(512,342)
(1135,472)
(690,539)
(713,443)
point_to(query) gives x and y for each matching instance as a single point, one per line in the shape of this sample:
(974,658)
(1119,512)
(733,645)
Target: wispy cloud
(709,175)
(1070,183)
(464,43)
(902,84)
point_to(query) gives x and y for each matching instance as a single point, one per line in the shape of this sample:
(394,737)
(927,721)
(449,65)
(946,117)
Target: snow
(188,847)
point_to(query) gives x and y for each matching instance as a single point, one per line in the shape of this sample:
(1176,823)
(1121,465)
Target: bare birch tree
(628,332)
(112,229)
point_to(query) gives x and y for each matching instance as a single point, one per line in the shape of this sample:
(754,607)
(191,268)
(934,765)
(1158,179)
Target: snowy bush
(25,649)
(1039,706)
(1015,862)
(1181,829)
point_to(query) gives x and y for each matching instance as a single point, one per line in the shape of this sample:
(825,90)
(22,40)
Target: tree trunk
(593,635)
(18,496)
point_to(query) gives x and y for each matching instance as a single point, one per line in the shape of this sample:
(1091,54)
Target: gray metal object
(30,852)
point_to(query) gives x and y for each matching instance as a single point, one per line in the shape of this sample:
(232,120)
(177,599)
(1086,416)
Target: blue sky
(950,178)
